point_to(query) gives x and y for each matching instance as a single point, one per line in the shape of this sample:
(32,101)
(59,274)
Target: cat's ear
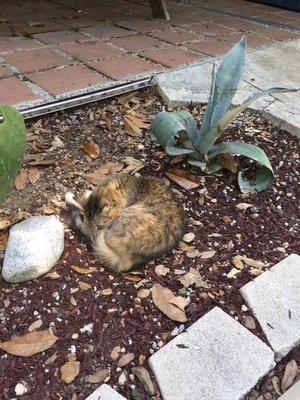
(72,203)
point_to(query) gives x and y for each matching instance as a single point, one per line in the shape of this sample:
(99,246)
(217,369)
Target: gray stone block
(105,392)
(215,359)
(274,298)
(293,393)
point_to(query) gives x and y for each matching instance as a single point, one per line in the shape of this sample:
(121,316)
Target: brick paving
(86,45)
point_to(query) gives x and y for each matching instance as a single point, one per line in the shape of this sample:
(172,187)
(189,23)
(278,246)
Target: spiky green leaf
(264,175)
(12,147)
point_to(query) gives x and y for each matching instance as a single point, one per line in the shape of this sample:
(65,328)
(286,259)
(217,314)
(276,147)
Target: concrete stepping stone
(192,84)
(274,298)
(105,392)
(215,359)
(293,393)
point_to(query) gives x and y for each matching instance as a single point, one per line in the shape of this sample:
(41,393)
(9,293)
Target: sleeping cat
(128,220)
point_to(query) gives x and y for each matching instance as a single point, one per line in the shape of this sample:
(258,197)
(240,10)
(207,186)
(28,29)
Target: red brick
(124,67)
(18,43)
(136,42)
(67,79)
(89,51)
(175,37)
(252,40)
(212,47)
(48,26)
(180,20)
(172,56)
(3,72)
(241,24)
(279,34)
(61,37)
(211,29)
(105,32)
(35,60)
(144,26)
(13,91)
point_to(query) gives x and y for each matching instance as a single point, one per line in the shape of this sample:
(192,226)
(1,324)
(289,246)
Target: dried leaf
(125,359)
(207,254)
(237,262)
(83,270)
(161,270)
(183,179)
(290,374)
(84,285)
(116,351)
(243,206)
(131,277)
(232,273)
(193,277)
(106,292)
(110,168)
(135,122)
(92,149)
(98,376)
(253,263)
(47,161)
(3,240)
(249,322)
(69,371)
(276,386)
(144,377)
(133,165)
(34,23)
(34,175)
(227,161)
(163,298)
(21,180)
(29,344)
(51,359)
(35,325)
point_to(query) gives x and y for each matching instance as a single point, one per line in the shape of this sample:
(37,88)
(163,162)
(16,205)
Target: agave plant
(12,147)
(177,132)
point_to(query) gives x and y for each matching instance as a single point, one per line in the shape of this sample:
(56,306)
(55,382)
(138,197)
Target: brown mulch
(267,231)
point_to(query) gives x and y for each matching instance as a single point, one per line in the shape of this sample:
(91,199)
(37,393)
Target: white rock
(189,237)
(21,388)
(87,328)
(33,247)
(122,378)
(105,392)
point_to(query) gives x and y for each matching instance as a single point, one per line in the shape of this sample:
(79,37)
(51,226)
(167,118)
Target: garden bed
(63,152)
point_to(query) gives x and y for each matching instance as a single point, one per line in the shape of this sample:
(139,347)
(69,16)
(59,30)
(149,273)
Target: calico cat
(128,220)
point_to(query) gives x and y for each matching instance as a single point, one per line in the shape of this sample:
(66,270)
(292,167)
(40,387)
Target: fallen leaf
(21,180)
(207,254)
(232,273)
(249,322)
(133,165)
(35,325)
(290,374)
(4,224)
(46,161)
(73,301)
(227,161)
(131,277)
(183,179)
(6,302)
(69,371)
(189,237)
(144,377)
(34,23)
(237,262)
(135,122)
(106,292)
(3,240)
(98,376)
(163,298)
(125,359)
(243,206)
(84,285)
(34,175)
(143,293)
(29,344)
(51,359)
(116,351)
(91,149)
(276,386)
(83,270)
(110,168)
(161,270)
(193,277)
(253,263)
(57,142)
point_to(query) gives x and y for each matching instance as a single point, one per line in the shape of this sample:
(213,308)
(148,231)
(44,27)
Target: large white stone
(105,392)
(262,70)
(215,359)
(293,393)
(274,298)
(33,247)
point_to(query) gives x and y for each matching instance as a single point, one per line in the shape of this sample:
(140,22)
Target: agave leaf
(12,147)
(208,140)
(263,177)
(202,165)
(224,86)
(177,151)
(169,128)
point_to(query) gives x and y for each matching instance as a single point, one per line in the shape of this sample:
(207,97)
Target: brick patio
(78,46)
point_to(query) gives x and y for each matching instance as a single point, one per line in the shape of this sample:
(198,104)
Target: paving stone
(105,392)
(293,393)
(144,26)
(279,34)
(274,298)
(18,43)
(175,37)
(35,60)
(262,70)
(211,29)
(211,47)
(68,79)
(61,37)
(215,359)
(172,56)
(124,67)
(105,32)
(14,91)
(136,42)
(89,51)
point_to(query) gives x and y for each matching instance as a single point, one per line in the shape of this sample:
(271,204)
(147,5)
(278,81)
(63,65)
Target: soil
(267,231)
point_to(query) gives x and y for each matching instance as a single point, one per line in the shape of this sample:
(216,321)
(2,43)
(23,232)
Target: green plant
(177,132)
(12,147)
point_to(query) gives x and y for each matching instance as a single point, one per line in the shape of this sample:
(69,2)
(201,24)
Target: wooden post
(159,9)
